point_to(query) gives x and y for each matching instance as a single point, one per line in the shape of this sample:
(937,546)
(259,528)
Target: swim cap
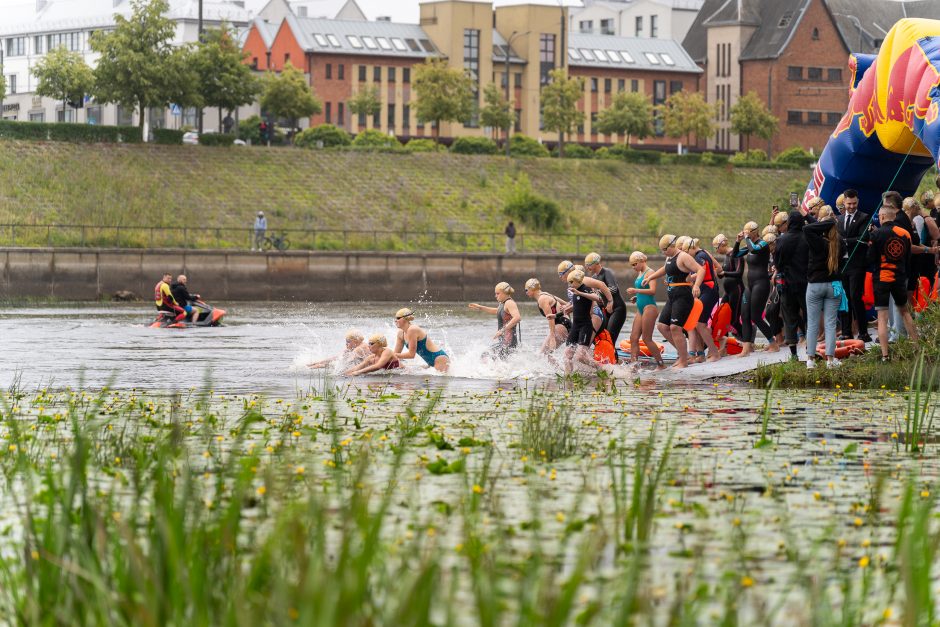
(840,201)
(666,241)
(405,313)
(695,242)
(576,277)
(719,239)
(770,228)
(780,219)
(533,284)
(580,267)
(750,226)
(910,203)
(683,242)
(825,213)
(378,338)
(564,266)
(354,334)
(505,288)
(637,256)
(770,238)
(591,259)
(926,198)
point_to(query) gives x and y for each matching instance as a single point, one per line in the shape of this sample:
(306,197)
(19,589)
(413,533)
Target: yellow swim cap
(781,219)
(719,240)
(683,243)
(666,241)
(825,213)
(576,277)
(581,268)
(636,257)
(770,238)
(379,339)
(750,226)
(591,259)
(840,201)
(354,334)
(533,284)
(770,228)
(564,266)
(505,288)
(405,313)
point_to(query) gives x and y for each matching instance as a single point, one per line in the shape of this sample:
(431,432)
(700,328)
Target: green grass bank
(177,186)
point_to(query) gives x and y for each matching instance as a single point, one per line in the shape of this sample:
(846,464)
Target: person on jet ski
(181,294)
(163,298)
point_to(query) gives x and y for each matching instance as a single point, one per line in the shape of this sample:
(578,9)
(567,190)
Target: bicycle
(279,242)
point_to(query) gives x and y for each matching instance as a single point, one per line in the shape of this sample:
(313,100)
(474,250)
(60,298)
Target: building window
(328,112)
(593,123)
(329,71)
(503,80)
(341,72)
(406,75)
(517,80)
(377,119)
(814,73)
(835,75)
(340,113)
(546,57)
(607,27)
(794,73)
(586,26)
(621,84)
(362,120)
(157,117)
(608,85)
(391,75)
(406,116)
(814,118)
(38,116)
(190,117)
(11,84)
(659,97)
(471,54)
(638,28)
(254,63)
(391,116)
(69,41)
(37,44)
(654,26)
(634,85)
(517,125)
(125,116)
(65,115)
(675,86)
(815,34)
(362,73)
(593,85)
(16,46)
(377,74)
(286,58)
(833,118)
(794,117)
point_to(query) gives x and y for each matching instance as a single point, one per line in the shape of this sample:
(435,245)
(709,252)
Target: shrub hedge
(524,146)
(474,146)
(67,132)
(576,151)
(216,139)
(327,135)
(423,145)
(374,138)
(167,136)
(797,156)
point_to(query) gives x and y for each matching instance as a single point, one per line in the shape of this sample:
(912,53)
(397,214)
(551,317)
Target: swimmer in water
(551,307)
(646,312)
(585,292)
(507,314)
(702,338)
(415,339)
(680,295)
(617,310)
(356,350)
(380,358)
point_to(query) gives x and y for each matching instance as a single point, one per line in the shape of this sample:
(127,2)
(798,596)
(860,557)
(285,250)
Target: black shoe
(866,338)
(845,337)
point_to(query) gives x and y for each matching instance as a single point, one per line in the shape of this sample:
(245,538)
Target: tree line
(140,68)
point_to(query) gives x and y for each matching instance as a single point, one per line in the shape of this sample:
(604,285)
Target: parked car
(191,138)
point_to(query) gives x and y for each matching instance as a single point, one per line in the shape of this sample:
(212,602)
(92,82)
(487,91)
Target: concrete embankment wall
(79,274)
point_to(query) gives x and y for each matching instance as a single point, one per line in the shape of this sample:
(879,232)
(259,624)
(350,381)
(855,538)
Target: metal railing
(377,240)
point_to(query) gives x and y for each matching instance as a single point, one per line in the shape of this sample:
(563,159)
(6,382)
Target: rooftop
(383,39)
(664,55)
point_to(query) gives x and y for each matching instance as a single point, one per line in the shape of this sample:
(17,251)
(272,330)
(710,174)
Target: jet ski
(203,315)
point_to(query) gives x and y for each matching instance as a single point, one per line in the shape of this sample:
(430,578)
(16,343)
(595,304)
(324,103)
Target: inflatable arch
(890,131)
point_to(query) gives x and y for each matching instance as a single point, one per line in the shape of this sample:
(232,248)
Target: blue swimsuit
(421,350)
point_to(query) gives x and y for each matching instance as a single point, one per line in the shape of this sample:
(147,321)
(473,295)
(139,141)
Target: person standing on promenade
(261,227)
(853,228)
(510,238)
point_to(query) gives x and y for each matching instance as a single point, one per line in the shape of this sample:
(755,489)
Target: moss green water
(389,505)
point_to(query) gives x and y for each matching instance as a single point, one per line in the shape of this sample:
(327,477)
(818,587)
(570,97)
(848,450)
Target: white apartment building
(30,29)
(656,19)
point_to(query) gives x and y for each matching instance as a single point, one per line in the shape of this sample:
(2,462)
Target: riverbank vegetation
(383,506)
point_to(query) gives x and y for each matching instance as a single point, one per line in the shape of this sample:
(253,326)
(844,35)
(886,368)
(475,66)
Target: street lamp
(508,100)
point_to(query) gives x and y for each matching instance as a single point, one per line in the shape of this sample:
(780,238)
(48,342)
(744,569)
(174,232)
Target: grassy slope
(198,186)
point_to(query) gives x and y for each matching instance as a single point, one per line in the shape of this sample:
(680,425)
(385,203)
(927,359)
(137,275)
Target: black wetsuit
(615,320)
(679,298)
(732,282)
(791,258)
(709,294)
(558,316)
(757,291)
(582,328)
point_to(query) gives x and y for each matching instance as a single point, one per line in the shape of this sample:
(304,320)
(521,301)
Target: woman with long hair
(644,322)
(824,291)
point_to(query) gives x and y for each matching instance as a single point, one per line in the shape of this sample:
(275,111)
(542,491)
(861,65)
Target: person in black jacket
(181,294)
(791,259)
(853,228)
(824,290)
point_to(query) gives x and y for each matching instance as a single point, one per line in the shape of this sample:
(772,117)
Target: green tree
(3,87)
(365,102)
(630,114)
(138,66)
(63,75)
(560,111)
(497,111)
(225,81)
(750,116)
(685,114)
(287,95)
(443,94)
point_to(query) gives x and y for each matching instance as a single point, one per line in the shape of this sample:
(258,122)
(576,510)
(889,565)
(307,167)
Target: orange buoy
(922,295)
(721,322)
(694,315)
(644,349)
(868,294)
(732,346)
(604,351)
(844,348)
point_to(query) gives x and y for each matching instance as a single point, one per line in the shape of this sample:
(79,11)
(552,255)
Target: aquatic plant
(547,431)
(918,419)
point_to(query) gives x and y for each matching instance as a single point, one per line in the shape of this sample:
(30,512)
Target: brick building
(341,57)
(793,54)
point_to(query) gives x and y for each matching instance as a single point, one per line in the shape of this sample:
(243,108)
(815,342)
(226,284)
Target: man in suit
(853,228)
